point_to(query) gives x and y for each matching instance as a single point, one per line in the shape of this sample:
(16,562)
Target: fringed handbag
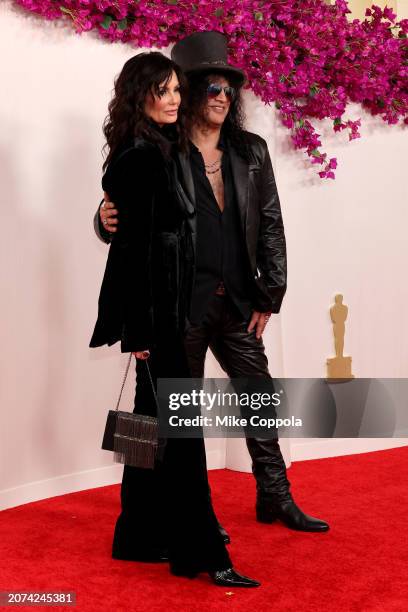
(132,437)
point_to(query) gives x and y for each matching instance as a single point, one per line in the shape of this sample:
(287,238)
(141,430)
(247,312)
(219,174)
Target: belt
(220,290)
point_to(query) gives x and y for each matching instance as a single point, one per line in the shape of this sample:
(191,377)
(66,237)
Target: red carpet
(360,564)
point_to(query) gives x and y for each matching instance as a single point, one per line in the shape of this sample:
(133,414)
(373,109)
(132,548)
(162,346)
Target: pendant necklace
(213,171)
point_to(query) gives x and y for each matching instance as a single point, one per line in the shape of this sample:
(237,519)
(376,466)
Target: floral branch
(305,56)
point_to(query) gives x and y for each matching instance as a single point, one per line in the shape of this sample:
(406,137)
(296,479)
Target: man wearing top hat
(240,250)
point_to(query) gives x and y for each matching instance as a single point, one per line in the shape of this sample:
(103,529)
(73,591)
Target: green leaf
(219,12)
(63,9)
(174,2)
(122,24)
(258,15)
(337,121)
(313,90)
(107,20)
(301,123)
(315,153)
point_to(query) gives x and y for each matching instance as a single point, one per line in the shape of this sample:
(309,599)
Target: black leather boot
(231,578)
(268,510)
(274,500)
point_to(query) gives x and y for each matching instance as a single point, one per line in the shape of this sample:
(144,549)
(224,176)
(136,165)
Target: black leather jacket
(260,215)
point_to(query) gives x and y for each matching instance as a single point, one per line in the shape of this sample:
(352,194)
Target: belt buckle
(220,290)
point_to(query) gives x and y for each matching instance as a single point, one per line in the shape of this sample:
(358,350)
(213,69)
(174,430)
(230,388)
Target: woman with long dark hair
(166,512)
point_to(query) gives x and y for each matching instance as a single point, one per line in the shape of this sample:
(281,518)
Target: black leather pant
(240,354)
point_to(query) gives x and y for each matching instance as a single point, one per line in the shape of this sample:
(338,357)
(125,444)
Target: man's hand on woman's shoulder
(142,354)
(108,214)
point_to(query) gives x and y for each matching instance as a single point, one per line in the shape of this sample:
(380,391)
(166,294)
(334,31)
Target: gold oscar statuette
(339,367)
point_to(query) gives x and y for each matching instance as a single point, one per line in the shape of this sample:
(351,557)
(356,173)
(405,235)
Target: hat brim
(228,70)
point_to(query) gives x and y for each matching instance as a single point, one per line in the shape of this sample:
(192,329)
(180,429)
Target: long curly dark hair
(233,127)
(142,74)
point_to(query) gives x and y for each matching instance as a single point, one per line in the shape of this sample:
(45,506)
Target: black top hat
(203,51)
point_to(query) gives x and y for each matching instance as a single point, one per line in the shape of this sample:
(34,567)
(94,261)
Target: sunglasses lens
(214,90)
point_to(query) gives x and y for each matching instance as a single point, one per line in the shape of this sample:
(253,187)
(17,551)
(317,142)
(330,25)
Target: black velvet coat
(146,287)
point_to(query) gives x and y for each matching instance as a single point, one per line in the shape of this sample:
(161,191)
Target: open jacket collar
(240,176)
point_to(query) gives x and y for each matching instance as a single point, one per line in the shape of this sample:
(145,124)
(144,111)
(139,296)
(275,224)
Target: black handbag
(132,437)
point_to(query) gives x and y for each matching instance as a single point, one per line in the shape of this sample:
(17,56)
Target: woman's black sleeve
(130,183)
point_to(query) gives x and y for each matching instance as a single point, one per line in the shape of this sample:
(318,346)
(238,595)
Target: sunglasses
(214,90)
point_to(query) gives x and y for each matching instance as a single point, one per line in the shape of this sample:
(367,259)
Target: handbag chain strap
(124,380)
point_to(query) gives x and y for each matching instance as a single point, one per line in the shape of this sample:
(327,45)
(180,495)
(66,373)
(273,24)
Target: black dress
(142,304)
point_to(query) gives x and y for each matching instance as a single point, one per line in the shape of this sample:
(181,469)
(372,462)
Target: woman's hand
(142,354)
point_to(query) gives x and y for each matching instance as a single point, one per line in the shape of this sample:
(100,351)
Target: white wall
(358,7)
(347,235)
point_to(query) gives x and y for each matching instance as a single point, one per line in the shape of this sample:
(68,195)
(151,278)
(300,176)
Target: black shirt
(220,246)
